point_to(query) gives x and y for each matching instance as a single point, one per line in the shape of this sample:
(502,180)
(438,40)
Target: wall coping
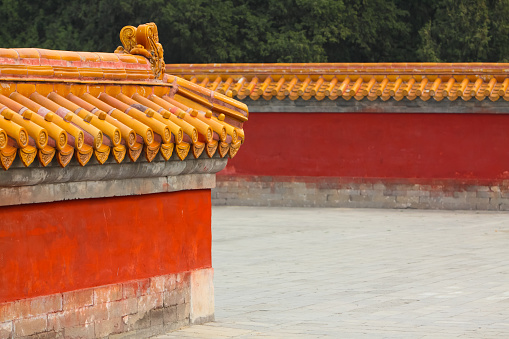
(22,185)
(376,106)
(43,193)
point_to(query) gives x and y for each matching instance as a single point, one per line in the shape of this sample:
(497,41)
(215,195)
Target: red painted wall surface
(63,246)
(378,145)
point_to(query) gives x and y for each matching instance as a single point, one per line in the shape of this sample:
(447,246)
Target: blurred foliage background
(220,31)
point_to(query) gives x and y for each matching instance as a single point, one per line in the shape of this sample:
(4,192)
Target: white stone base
(202,296)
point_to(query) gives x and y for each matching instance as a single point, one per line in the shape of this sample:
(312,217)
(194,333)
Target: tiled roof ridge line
(43,63)
(371,81)
(340,65)
(85,82)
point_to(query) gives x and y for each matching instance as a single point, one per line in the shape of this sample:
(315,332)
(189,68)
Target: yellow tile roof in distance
(56,105)
(359,81)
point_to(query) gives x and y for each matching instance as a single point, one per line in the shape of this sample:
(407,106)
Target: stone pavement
(358,273)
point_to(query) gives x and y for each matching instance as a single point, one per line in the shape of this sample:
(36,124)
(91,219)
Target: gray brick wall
(268,191)
(390,106)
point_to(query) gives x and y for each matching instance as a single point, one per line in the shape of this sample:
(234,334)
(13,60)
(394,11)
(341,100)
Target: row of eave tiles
(54,126)
(358,87)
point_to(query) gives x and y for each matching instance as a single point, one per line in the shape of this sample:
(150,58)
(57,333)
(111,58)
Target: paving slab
(357,273)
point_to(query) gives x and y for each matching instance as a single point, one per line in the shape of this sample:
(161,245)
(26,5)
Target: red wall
(63,246)
(378,145)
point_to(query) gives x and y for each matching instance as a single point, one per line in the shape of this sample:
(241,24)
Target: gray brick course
(270,192)
(390,106)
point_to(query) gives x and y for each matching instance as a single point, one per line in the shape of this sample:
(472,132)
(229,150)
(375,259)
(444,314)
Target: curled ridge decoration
(144,40)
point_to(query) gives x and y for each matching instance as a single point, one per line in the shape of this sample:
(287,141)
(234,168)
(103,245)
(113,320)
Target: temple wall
(381,155)
(128,262)
(107,165)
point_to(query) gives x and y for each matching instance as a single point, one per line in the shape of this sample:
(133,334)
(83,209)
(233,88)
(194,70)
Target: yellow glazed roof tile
(59,105)
(70,56)
(89,57)
(8,53)
(49,54)
(338,81)
(24,53)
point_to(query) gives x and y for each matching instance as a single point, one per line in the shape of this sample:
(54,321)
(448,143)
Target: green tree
(199,31)
(459,32)
(298,30)
(377,32)
(499,31)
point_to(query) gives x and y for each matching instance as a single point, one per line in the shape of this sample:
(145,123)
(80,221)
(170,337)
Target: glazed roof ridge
(61,105)
(352,80)
(332,68)
(44,63)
